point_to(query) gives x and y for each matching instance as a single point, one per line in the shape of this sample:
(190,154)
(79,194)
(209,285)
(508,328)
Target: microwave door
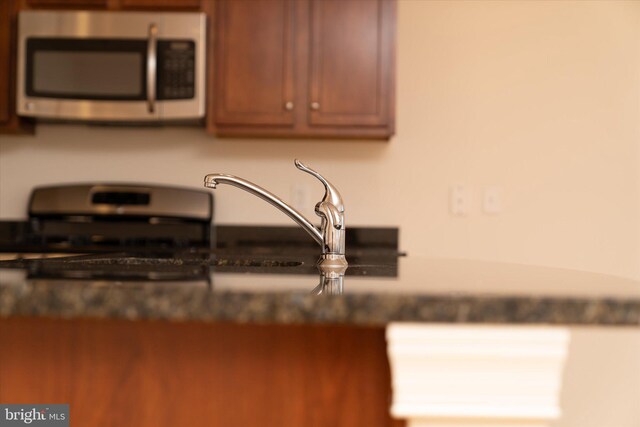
(111,66)
(91,78)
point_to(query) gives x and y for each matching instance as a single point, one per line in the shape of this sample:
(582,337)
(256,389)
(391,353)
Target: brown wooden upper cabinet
(160,4)
(168,5)
(303,68)
(5,62)
(9,120)
(65,4)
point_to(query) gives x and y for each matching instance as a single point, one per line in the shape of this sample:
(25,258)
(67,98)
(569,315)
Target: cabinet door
(253,62)
(351,75)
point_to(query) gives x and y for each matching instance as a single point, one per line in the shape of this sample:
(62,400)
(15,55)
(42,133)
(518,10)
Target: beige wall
(601,383)
(539,98)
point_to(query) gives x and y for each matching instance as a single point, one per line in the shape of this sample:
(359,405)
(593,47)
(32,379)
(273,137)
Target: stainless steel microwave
(111,66)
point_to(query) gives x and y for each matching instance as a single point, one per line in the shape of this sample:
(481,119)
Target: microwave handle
(151,67)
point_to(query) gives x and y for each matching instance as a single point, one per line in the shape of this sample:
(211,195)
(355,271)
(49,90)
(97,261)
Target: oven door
(109,66)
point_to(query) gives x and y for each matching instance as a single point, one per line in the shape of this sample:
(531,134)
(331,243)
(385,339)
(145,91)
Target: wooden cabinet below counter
(164,374)
(303,68)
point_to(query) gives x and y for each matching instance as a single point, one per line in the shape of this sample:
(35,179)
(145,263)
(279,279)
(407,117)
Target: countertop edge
(302,308)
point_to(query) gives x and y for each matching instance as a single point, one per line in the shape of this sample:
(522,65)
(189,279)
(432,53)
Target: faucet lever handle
(331,195)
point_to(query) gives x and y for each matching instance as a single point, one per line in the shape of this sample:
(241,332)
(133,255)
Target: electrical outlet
(459,200)
(492,200)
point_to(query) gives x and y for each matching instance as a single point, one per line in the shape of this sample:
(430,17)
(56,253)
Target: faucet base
(333,262)
(332,268)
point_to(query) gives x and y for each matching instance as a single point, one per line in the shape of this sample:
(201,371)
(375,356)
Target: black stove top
(100,217)
(62,235)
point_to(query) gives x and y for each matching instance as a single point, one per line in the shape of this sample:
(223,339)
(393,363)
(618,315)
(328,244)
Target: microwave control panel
(176,69)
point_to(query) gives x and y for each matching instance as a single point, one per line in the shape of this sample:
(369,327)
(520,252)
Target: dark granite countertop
(264,288)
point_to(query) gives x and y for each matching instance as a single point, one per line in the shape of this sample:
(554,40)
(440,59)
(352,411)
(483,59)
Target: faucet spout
(212,180)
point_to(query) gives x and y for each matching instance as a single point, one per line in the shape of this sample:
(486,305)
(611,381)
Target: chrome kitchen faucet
(330,209)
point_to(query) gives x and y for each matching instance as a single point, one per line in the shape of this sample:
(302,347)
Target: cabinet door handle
(288,105)
(315,105)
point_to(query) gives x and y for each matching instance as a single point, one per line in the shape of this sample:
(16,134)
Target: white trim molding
(463,375)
